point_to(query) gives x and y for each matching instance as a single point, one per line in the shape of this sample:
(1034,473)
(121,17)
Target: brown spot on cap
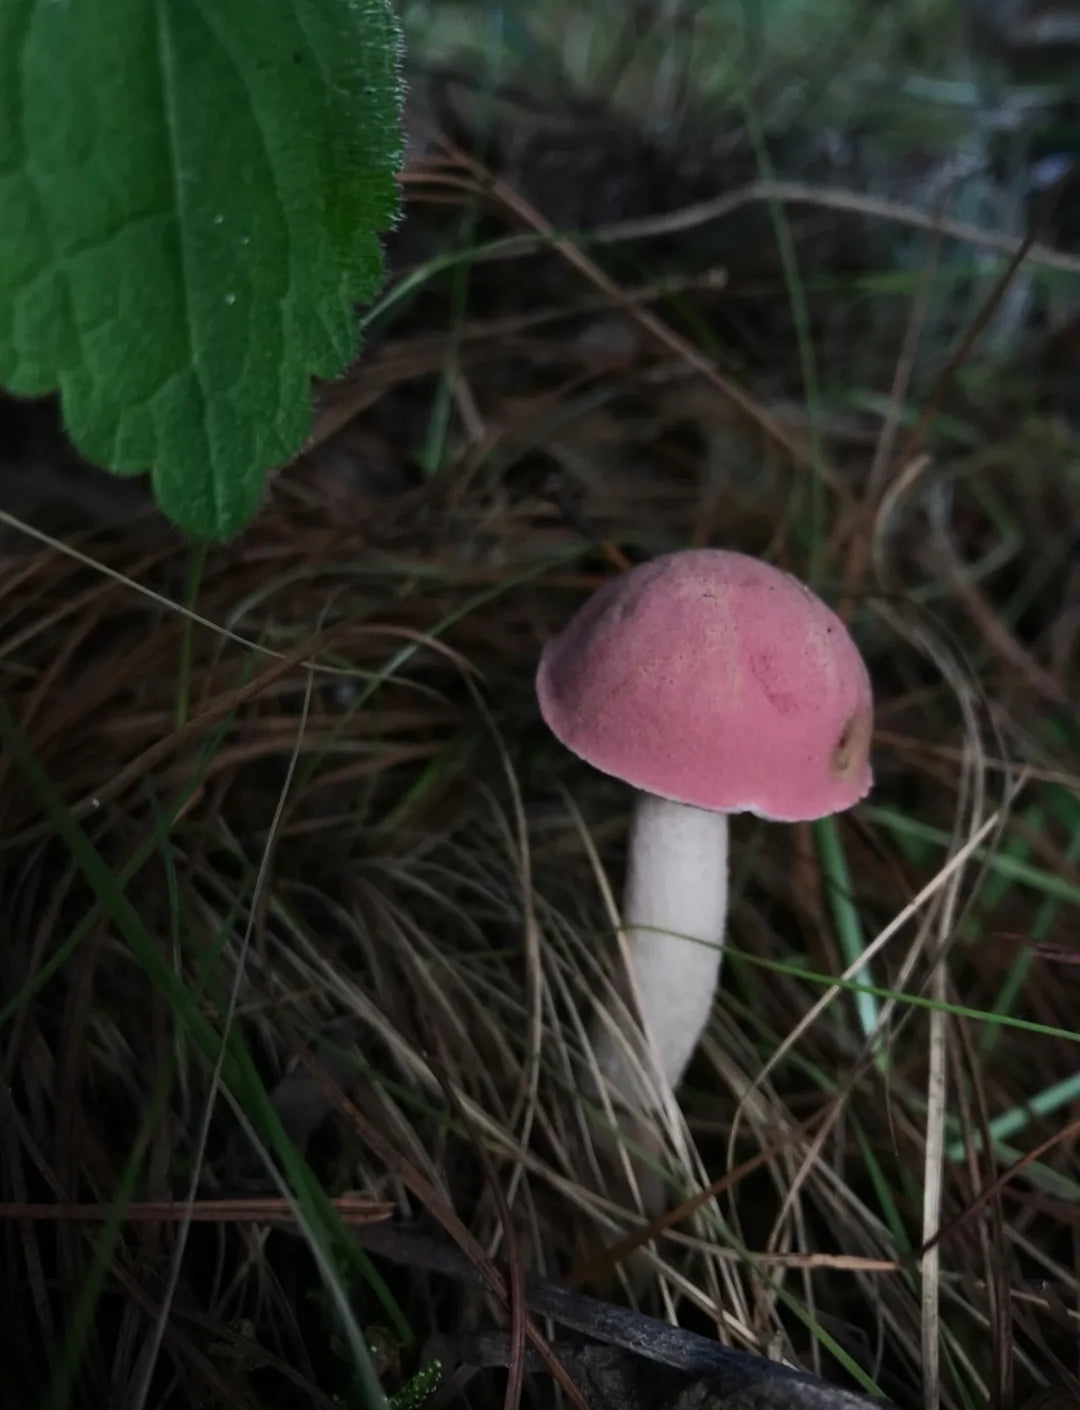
(852,748)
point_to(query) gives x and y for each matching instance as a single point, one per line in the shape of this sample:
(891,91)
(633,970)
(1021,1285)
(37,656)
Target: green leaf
(191,195)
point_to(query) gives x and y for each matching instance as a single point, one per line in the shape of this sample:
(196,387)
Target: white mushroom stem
(674,912)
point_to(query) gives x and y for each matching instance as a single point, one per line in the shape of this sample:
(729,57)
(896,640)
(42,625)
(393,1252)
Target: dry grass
(294,797)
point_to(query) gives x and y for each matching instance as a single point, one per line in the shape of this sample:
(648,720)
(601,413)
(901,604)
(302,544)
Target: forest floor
(304,911)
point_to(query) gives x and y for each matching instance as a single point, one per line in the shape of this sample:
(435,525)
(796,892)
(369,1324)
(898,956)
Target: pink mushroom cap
(713,679)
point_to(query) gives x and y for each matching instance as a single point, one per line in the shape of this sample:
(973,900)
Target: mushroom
(712,683)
